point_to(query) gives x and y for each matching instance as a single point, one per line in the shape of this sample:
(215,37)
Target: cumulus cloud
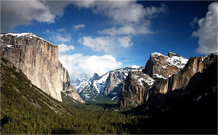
(128,17)
(207,31)
(47,32)
(66,38)
(14,13)
(76,27)
(61,30)
(195,20)
(127,30)
(124,41)
(105,43)
(79,65)
(64,48)
(122,12)
(97,44)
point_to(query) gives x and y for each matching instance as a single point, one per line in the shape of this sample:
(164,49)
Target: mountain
(198,76)
(38,60)
(80,84)
(158,67)
(161,66)
(107,85)
(182,80)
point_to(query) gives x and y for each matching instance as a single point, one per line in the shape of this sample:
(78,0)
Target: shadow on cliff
(193,110)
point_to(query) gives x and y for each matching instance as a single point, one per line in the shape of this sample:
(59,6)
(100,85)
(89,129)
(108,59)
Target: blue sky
(98,36)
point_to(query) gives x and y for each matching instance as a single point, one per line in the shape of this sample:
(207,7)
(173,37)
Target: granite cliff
(198,76)
(161,66)
(38,60)
(134,89)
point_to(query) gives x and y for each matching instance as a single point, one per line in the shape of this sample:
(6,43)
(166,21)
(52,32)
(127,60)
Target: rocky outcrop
(161,66)
(38,60)
(181,80)
(134,89)
(188,80)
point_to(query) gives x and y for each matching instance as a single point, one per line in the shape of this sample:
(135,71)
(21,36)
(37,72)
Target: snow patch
(159,76)
(144,78)
(156,54)
(114,98)
(9,46)
(176,61)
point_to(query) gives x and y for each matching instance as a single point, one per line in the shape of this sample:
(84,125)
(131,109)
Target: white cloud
(97,44)
(61,30)
(105,43)
(46,32)
(79,65)
(76,27)
(14,13)
(122,12)
(63,48)
(124,41)
(128,17)
(195,20)
(127,30)
(67,38)
(207,31)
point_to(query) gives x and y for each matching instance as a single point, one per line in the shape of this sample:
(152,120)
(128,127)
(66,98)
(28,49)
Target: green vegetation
(158,79)
(26,109)
(145,85)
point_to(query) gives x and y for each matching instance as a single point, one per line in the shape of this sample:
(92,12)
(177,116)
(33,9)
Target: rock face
(186,81)
(38,59)
(135,89)
(181,80)
(161,66)
(107,85)
(13,80)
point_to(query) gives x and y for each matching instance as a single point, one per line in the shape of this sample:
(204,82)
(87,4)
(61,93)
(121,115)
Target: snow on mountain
(108,84)
(80,84)
(162,66)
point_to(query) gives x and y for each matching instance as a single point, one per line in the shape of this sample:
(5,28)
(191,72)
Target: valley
(171,94)
(108,67)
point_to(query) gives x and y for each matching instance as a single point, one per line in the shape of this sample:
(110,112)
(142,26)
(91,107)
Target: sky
(98,36)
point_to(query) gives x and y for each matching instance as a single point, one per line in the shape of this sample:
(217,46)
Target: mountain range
(109,85)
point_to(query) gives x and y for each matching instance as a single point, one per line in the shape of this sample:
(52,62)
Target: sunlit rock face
(135,89)
(38,59)
(161,66)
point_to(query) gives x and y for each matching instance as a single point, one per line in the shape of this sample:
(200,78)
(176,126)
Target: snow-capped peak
(20,34)
(156,54)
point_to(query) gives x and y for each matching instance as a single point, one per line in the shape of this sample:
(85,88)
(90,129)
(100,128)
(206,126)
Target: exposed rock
(161,66)
(134,89)
(107,85)
(94,77)
(38,60)
(186,81)
(112,81)
(15,82)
